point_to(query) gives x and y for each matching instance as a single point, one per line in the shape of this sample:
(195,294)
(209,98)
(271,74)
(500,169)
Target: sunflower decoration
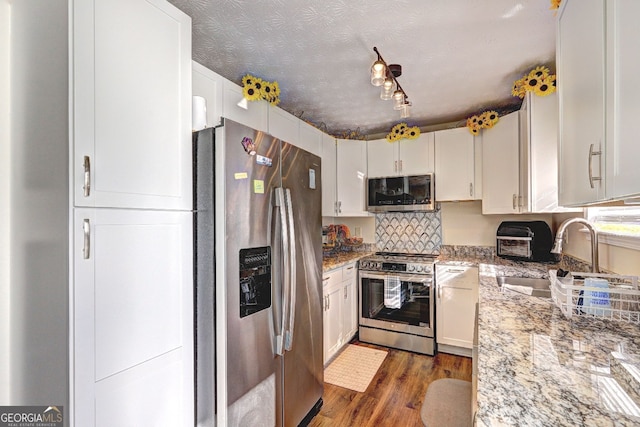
(546,86)
(484,120)
(402,130)
(271,92)
(539,81)
(254,88)
(555,4)
(518,88)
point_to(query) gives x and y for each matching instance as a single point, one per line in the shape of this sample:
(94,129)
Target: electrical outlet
(358,231)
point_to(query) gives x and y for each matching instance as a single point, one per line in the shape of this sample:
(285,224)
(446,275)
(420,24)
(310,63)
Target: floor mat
(355,367)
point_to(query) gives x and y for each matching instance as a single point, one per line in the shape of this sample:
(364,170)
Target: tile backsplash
(409,232)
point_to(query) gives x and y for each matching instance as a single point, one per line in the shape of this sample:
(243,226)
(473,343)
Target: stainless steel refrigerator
(258,277)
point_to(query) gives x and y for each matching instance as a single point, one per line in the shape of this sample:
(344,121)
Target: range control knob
(411,267)
(419,268)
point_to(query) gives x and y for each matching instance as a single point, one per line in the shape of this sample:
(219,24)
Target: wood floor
(394,397)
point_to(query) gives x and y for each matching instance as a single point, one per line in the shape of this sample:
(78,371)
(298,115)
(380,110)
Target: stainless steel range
(397,301)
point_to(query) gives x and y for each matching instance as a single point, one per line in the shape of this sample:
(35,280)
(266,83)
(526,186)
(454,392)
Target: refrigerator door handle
(286,277)
(288,336)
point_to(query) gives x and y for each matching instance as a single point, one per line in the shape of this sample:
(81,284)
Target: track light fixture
(386,76)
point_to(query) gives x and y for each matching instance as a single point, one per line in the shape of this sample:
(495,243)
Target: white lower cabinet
(132,336)
(331,306)
(349,302)
(340,308)
(456,297)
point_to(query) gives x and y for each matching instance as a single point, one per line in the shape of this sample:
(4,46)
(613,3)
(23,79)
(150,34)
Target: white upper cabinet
(310,138)
(581,90)
(254,114)
(455,165)
(539,154)
(283,125)
(351,177)
(208,85)
(500,166)
(403,157)
(598,101)
(131,104)
(328,175)
(623,93)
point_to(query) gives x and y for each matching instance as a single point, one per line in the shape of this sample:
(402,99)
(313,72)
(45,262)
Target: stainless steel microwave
(401,193)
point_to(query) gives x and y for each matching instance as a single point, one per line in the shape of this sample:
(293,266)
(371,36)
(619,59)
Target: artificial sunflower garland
(402,130)
(484,120)
(538,81)
(254,88)
(555,4)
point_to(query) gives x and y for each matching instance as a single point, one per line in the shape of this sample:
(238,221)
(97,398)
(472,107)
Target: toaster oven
(524,240)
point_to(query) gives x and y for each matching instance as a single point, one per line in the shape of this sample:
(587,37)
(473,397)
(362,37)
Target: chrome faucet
(557,246)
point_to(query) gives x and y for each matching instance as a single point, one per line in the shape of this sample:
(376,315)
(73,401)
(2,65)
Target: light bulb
(398,99)
(378,73)
(387,89)
(404,110)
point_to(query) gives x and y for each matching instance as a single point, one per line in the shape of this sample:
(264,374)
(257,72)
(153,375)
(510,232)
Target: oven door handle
(413,278)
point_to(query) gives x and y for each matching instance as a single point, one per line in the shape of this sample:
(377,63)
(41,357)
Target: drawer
(349,272)
(331,278)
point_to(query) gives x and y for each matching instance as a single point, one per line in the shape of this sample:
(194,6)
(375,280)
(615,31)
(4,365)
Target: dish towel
(392,292)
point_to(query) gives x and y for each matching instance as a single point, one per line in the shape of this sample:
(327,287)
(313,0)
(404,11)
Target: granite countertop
(339,259)
(537,368)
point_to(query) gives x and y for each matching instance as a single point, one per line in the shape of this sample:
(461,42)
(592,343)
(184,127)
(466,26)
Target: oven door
(415,316)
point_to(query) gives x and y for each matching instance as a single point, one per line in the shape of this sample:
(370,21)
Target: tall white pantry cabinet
(121,129)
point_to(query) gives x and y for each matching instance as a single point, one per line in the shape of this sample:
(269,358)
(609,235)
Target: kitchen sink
(536,287)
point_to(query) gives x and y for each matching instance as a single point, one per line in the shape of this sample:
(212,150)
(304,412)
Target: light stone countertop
(537,368)
(340,259)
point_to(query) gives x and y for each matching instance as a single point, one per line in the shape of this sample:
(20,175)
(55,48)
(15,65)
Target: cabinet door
(455,165)
(208,85)
(581,100)
(500,166)
(332,321)
(350,302)
(284,126)
(351,177)
(382,158)
(131,104)
(310,138)
(249,113)
(328,175)
(132,323)
(456,299)
(416,156)
(623,108)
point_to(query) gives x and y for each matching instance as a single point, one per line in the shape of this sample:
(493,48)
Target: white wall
(612,258)
(365,225)
(39,204)
(464,224)
(4,201)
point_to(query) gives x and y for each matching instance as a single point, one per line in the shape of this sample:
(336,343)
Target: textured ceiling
(459,57)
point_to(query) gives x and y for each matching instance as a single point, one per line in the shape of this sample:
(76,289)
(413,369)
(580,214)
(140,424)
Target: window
(618,226)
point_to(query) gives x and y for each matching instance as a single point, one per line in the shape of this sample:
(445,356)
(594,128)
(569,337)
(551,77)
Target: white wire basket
(619,301)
